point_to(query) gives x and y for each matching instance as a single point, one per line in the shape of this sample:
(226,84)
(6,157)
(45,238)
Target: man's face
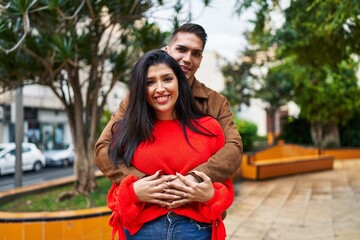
(187,50)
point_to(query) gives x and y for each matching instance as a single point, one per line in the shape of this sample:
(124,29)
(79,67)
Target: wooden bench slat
(290,160)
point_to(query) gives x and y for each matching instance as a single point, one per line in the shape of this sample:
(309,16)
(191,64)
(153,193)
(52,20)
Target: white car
(60,156)
(32,158)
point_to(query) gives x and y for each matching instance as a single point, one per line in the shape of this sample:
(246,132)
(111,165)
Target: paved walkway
(314,206)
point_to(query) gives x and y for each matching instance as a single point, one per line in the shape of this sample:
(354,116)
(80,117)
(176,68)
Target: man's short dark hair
(196,29)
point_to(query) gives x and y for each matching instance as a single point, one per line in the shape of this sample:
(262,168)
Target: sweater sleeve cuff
(132,193)
(214,199)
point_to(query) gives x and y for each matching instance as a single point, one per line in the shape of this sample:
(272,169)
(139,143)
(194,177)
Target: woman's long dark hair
(139,117)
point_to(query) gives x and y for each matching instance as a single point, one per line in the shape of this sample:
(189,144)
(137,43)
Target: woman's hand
(151,189)
(190,191)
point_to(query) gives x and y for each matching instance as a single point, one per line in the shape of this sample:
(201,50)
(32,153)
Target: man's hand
(151,189)
(190,190)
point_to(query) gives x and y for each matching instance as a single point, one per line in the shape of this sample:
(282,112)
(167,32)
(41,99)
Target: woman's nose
(160,87)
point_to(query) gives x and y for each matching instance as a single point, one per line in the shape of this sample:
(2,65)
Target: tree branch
(26,31)
(75,13)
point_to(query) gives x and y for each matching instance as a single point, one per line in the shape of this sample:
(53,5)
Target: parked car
(32,158)
(63,155)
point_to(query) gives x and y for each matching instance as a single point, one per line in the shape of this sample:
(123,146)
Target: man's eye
(181,49)
(197,54)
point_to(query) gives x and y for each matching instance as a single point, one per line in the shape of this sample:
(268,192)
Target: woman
(164,135)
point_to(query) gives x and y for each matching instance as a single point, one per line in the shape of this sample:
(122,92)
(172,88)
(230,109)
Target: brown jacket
(219,167)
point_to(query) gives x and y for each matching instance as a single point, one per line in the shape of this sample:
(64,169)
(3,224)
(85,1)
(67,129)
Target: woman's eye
(168,79)
(149,83)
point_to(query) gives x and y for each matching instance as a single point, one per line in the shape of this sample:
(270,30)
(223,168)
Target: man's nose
(186,56)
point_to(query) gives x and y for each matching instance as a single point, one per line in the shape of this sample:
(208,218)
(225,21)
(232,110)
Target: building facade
(45,121)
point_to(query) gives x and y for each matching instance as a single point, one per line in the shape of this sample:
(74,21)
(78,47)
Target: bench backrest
(283,151)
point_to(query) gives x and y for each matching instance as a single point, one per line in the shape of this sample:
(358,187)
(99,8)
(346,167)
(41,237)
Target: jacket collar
(198,90)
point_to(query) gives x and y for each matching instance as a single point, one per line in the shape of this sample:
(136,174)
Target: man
(186,47)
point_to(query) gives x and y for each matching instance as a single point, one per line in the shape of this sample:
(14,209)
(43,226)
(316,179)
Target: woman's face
(162,90)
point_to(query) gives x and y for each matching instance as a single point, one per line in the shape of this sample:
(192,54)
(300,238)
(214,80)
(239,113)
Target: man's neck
(191,80)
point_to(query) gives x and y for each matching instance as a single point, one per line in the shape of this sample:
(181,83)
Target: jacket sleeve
(101,158)
(225,162)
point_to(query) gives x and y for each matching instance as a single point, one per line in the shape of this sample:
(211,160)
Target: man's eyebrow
(182,46)
(198,51)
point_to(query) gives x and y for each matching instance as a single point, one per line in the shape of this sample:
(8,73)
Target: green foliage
(64,47)
(36,202)
(277,87)
(328,95)
(147,41)
(297,131)
(104,120)
(321,32)
(248,133)
(238,81)
(321,39)
(350,132)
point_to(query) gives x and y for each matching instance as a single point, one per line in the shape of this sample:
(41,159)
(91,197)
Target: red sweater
(171,152)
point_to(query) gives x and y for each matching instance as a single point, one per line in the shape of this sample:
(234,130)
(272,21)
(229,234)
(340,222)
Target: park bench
(284,159)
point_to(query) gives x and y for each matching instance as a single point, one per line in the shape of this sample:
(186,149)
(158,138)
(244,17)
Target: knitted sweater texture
(171,153)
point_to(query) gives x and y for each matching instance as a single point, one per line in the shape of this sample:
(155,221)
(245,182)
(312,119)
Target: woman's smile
(162,99)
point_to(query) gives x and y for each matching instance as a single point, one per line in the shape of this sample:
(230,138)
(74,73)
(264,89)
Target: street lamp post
(19,135)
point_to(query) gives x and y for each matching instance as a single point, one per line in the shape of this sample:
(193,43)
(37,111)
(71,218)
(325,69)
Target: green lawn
(46,200)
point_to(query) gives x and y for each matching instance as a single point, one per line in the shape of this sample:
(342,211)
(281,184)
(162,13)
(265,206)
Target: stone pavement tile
(244,208)
(348,226)
(291,214)
(299,196)
(323,186)
(314,206)
(343,195)
(319,212)
(344,209)
(321,195)
(303,183)
(250,230)
(231,227)
(301,232)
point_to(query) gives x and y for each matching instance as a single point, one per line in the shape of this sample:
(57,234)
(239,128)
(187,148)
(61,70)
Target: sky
(224,28)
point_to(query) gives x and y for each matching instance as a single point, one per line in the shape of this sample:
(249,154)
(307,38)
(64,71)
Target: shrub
(105,118)
(350,132)
(248,133)
(297,131)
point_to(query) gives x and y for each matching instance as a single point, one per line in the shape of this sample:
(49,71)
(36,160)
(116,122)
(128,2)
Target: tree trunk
(84,164)
(271,123)
(84,172)
(325,135)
